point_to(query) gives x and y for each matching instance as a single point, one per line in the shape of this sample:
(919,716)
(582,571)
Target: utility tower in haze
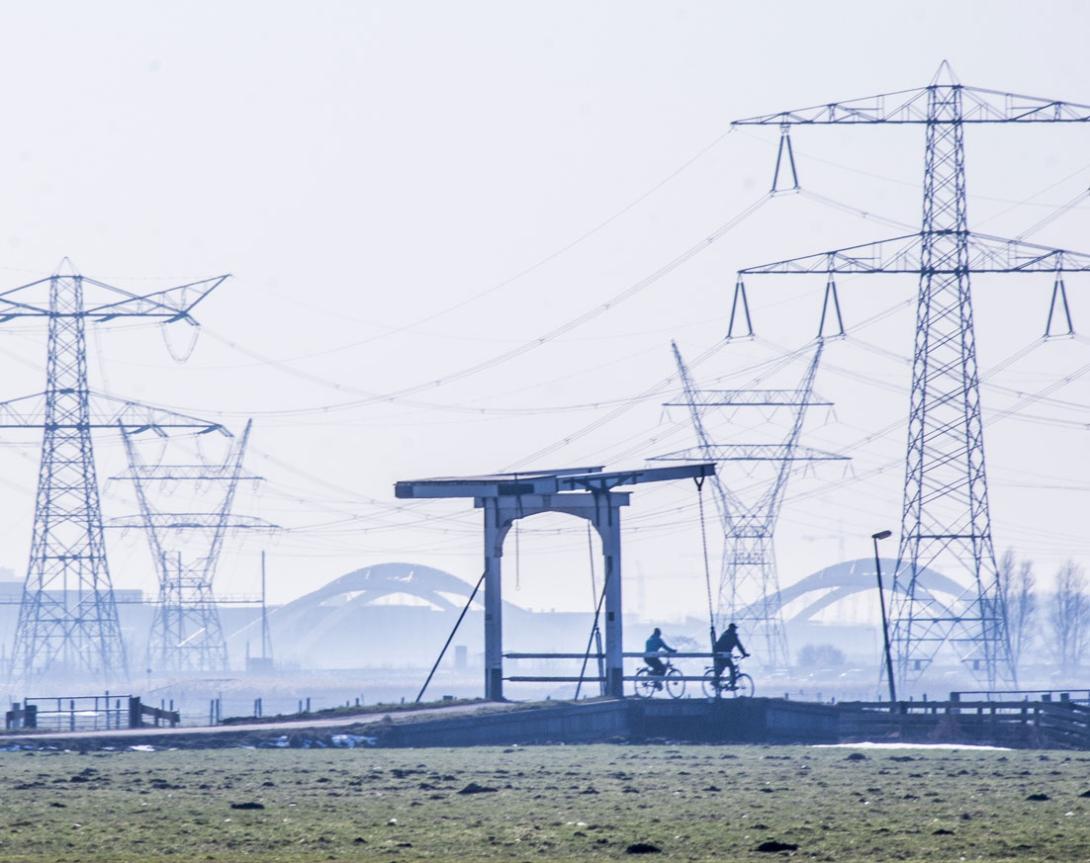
(186,634)
(945,523)
(68,621)
(749,585)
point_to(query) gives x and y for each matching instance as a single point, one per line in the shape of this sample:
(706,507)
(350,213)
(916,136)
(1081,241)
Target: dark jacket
(728,641)
(655,643)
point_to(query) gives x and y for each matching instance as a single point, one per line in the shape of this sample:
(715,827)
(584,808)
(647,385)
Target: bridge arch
(841,580)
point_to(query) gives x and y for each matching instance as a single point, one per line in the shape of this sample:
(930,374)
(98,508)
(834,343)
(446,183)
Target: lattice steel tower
(945,523)
(749,584)
(68,621)
(186,634)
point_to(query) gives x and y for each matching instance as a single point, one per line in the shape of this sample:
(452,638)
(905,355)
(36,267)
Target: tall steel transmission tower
(68,621)
(945,522)
(749,583)
(186,634)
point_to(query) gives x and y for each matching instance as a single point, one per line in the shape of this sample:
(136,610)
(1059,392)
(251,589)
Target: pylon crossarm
(104,412)
(173,303)
(980,105)
(136,417)
(783,398)
(184,473)
(776,452)
(987,254)
(192,521)
(108,301)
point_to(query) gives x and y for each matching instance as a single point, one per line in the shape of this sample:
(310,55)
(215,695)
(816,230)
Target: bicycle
(672,680)
(716,685)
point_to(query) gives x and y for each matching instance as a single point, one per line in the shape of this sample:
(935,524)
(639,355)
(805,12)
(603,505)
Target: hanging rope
(518,548)
(707,566)
(595,632)
(518,560)
(590,557)
(450,637)
(595,638)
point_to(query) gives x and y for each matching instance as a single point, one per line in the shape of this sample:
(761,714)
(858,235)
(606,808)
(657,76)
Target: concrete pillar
(608,522)
(494,533)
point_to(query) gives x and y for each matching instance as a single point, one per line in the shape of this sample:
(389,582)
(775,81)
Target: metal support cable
(450,637)
(594,637)
(707,566)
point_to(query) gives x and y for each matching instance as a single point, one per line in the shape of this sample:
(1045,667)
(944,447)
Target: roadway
(285,725)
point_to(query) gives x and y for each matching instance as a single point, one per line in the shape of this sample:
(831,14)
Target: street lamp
(884,534)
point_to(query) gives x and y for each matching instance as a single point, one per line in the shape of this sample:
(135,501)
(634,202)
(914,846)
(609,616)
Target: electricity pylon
(945,522)
(186,634)
(68,622)
(749,583)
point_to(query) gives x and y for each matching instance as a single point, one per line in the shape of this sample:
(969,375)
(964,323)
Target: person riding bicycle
(655,645)
(724,645)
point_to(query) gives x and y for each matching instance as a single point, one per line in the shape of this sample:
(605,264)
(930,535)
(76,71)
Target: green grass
(552,803)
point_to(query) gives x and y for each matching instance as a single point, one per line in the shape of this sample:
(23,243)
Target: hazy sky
(405,191)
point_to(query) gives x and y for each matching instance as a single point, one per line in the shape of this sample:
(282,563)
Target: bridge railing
(592,664)
(1058,723)
(1077,696)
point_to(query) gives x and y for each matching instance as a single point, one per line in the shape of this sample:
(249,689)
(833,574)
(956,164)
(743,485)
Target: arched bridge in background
(841,580)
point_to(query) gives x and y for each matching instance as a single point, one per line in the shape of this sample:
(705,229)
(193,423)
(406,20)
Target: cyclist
(724,644)
(655,645)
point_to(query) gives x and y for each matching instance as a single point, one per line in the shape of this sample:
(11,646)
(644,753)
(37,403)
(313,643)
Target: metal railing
(1062,723)
(76,712)
(595,657)
(104,712)
(1077,696)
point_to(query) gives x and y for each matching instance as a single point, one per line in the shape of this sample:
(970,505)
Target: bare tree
(1018,594)
(1069,616)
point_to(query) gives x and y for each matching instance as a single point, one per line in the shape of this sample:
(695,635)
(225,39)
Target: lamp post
(884,534)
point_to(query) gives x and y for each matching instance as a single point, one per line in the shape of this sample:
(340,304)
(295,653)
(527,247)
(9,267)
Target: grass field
(549,803)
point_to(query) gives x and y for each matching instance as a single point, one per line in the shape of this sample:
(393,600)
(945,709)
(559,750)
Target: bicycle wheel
(743,686)
(675,683)
(709,684)
(644,683)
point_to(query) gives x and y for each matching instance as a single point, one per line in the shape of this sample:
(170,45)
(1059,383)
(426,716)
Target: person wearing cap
(725,644)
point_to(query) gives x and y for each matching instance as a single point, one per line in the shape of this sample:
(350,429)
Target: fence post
(71,714)
(136,718)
